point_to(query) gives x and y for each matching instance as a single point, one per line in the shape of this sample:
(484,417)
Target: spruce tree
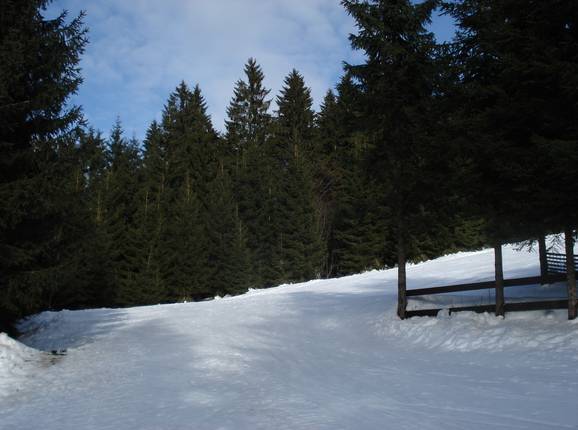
(518,74)
(120,208)
(89,281)
(248,129)
(190,143)
(518,62)
(300,241)
(357,233)
(229,261)
(399,81)
(38,73)
(150,219)
(248,116)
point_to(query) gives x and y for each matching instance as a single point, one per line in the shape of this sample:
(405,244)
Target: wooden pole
(543,259)
(499,279)
(401,275)
(570,272)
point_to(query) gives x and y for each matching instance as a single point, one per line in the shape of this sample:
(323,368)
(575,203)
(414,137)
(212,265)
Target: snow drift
(17,363)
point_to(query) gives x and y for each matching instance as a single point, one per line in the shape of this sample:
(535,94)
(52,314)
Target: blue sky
(140,50)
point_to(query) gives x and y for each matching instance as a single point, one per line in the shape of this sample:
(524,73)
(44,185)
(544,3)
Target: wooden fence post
(570,272)
(499,279)
(543,259)
(401,276)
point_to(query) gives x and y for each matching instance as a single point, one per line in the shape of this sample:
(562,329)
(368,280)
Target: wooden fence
(508,307)
(557,263)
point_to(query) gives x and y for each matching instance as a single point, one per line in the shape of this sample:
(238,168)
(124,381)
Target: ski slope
(326,354)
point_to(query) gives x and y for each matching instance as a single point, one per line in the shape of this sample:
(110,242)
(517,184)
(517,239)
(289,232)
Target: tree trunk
(570,272)
(543,259)
(499,279)
(401,277)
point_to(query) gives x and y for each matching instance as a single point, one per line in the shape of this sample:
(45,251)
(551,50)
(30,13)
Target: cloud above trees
(140,50)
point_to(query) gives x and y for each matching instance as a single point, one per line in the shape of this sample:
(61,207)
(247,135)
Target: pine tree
(518,72)
(518,66)
(120,211)
(295,119)
(399,80)
(191,143)
(229,261)
(357,234)
(38,73)
(89,282)
(300,238)
(184,250)
(248,117)
(248,129)
(150,220)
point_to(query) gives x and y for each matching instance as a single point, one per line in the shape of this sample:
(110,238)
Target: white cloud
(140,50)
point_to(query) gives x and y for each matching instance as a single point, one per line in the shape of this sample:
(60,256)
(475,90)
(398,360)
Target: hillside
(326,354)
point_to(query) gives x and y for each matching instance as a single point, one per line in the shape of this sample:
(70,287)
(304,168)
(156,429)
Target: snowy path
(320,355)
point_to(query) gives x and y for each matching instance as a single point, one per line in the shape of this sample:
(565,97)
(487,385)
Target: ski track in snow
(327,354)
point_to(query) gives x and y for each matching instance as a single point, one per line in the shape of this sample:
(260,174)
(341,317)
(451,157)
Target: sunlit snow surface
(327,354)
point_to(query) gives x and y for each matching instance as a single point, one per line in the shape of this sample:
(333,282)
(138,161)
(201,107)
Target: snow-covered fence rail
(557,262)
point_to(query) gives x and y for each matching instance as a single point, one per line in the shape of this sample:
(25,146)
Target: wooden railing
(509,307)
(557,262)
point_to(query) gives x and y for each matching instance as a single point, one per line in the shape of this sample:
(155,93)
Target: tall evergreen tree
(518,65)
(248,128)
(399,82)
(357,237)
(150,220)
(120,210)
(300,238)
(248,116)
(229,261)
(295,119)
(190,142)
(518,74)
(91,281)
(38,73)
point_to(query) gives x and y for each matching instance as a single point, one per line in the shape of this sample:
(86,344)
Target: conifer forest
(421,149)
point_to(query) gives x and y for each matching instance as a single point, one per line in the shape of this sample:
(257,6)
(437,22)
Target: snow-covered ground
(327,354)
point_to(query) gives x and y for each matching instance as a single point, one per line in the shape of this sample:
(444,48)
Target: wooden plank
(560,257)
(557,254)
(537,306)
(422,313)
(485,285)
(450,288)
(509,307)
(514,282)
(477,308)
(557,263)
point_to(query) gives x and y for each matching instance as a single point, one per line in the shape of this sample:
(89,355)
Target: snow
(17,361)
(326,354)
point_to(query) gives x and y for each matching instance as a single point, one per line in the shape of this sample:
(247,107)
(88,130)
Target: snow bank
(547,332)
(17,361)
